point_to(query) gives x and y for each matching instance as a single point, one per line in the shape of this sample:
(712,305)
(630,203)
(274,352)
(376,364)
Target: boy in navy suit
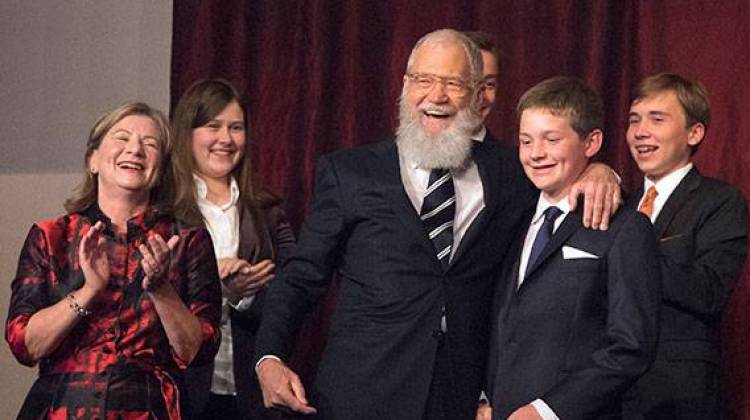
(576,311)
(701,226)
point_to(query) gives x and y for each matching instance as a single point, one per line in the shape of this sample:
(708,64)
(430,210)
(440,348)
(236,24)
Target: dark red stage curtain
(321,75)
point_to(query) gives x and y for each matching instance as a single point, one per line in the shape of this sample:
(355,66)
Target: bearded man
(415,230)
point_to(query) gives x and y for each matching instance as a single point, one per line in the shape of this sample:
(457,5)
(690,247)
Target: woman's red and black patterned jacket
(118,359)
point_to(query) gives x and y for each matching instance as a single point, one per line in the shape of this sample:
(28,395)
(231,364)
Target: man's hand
(602,195)
(484,412)
(282,387)
(527,412)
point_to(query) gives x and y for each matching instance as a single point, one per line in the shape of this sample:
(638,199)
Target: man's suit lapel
(569,226)
(489,174)
(510,278)
(394,192)
(676,201)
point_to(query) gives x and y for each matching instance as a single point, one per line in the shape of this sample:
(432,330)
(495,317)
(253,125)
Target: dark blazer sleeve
(283,242)
(307,273)
(282,235)
(629,347)
(703,256)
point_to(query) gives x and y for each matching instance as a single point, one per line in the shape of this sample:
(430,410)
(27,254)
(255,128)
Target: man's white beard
(450,149)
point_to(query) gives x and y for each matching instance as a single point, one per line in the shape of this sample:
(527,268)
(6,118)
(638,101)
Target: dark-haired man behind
(490,72)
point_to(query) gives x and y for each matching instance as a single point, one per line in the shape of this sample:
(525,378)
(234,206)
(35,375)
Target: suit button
(437,334)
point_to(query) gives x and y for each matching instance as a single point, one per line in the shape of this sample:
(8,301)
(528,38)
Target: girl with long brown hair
(213,185)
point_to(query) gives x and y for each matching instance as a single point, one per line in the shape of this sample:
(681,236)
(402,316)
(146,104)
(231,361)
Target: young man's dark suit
(379,360)
(577,332)
(702,236)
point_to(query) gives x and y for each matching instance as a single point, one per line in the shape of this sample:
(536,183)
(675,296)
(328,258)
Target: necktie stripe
(439,208)
(437,184)
(440,229)
(445,252)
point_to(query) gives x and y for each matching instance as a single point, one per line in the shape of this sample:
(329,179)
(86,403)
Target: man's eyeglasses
(453,85)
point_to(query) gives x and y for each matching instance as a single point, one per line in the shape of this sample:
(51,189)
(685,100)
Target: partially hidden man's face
(489,81)
(658,136)
(436,106)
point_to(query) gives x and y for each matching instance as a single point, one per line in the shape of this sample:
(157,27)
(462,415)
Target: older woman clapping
(113,298)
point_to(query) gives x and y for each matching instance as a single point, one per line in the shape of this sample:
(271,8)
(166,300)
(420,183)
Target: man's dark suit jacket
(702,236)
(244,324)
(379,360)
(577,332)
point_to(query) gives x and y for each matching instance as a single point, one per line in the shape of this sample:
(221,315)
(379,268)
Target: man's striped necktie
(438,210)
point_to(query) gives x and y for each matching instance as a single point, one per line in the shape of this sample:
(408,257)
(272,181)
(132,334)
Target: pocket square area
(570,253)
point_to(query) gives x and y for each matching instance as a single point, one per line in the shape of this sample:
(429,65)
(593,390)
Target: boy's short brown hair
(568,96)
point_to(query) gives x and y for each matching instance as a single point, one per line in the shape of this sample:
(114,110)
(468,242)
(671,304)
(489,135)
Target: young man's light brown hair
(690,93)
(567,96)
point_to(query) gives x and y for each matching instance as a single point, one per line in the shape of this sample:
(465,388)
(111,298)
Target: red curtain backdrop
(321,75)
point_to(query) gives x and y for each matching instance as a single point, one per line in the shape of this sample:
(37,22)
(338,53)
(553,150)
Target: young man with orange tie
(701,227)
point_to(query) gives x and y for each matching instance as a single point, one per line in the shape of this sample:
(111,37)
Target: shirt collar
(136,225)
(668,183)
(201,191)
(454,171)
(413,165)
(480,135)
(542,205)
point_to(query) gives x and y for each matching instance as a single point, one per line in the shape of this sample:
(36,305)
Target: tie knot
(551,214)
(438,173)
(647,205)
